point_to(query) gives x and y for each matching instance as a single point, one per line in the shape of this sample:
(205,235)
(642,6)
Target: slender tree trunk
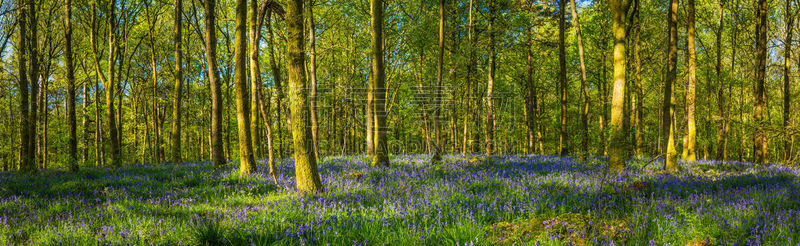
(490,85)
(603,150)
(381,157)
(84,123)
(308,180)
(26,162)
(760,136)
(312,72)
(437,149)
(34,77)
(787,87)
(255,76)
(639,110)
(584,88)
(370,112)
(530,95)
(246,159)
(618,132)
(116,160)
(691,140)
(668,127)
(276,77)
(152,19)
(73,138)
(470,67)
(722,131)
(563,139)
(176,110)
(217,154)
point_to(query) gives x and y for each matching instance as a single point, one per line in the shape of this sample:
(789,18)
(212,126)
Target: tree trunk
(617,130)
(246,159)
(276,77)
(470,67)
(84,123)
(668,127)
(639,110)
(787,87)
(308,180)
(563,139)
(381,157)
(370,115)
(27,163)
(71,121)
(312,72)
(691,136)
(760,136)
(603,150)
(255,76)
(530,95)
(176,110)
(437,149)
(722,131)
(490,85)
(116,160)
(584,88)
(156,158)
(217,154)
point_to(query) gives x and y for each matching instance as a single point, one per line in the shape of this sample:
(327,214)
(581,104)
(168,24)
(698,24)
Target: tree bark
(217,154)
(276,77)
(617,129)
(312,73)
(381,157)
(563,139)
(490,85)
(691,136)
(176,110)
(787,86)
(437,149)
(760,136)
(584,88)
(246,159)
(73,138)
(668,127)
(307,176)
(26,161)
(470,68)
(722,132)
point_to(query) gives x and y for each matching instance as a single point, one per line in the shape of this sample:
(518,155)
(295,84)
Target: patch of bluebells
(457,202)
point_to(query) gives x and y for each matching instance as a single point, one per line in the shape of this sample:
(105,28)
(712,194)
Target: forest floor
(469,200)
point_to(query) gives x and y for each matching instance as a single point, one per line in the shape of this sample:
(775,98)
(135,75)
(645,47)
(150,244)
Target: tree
(668,127)
(490,85)
(618,141)
(246,160)
(312,73)
(381,157)
(437,155)
(176,110)
(787,86)
(470,68)
(305,163)
(722,132)
(158,155)
(27,163)
(691,125)
(217,155)
(584,88)
(563,139)
(760,136)
(73,135)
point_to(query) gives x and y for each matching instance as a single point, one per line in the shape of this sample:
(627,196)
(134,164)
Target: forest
(399,122)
